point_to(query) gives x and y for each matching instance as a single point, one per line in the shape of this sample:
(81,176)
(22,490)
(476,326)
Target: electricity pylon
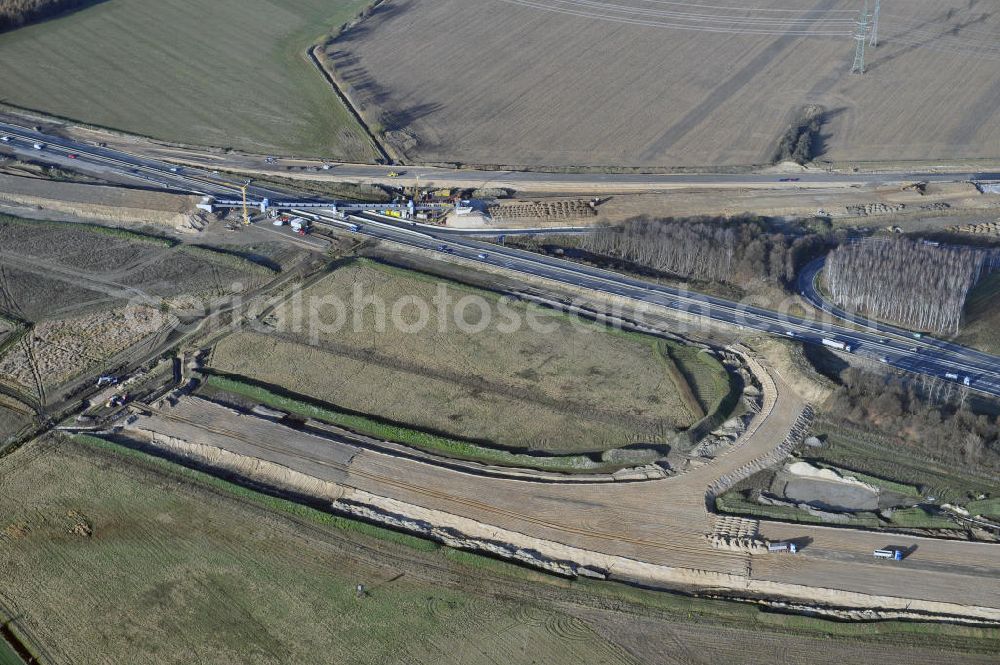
(860,37)
(873,42)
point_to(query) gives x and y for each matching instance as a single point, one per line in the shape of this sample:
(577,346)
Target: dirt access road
(662,523)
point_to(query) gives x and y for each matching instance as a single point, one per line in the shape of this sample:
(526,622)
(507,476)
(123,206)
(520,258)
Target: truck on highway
(38,146)
(354,228)
(834,344)
(891,554)
(782,546)
(951,376)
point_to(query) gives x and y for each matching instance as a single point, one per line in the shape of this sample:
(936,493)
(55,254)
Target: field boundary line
(329,76)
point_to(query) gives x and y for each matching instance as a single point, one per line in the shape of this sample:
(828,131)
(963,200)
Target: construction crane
(246,213)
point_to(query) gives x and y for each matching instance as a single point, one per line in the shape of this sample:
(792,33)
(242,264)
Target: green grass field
(559,387)
(8,656)
(232,73)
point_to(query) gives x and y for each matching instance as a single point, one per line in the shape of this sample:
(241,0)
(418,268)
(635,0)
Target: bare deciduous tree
(920,285)
(735,251)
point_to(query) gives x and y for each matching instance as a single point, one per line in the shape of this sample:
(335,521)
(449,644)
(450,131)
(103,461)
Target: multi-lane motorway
(526,180)
(886,344)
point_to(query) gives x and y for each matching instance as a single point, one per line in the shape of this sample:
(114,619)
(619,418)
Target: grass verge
(432,443)
(274,503)
(918,518)
(734,504)
(229,259)
(866,453)
(984,507)
(112,231)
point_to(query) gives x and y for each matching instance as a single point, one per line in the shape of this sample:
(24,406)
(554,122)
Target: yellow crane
(246,213)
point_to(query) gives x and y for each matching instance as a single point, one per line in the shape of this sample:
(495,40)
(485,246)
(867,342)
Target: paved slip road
(891,346)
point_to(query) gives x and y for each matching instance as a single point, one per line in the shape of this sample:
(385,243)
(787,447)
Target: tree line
(712,249)
(934,414)
(916,284)
(16,13)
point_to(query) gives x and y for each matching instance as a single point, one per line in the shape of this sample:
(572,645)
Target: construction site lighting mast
(246,213)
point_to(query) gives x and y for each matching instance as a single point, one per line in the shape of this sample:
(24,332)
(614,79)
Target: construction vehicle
(891,554)
(834,344)
(392,174)
(118,399)
(782,546)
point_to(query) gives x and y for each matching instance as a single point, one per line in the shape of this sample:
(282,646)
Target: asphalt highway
(886,344)
(898,348)
(206,182)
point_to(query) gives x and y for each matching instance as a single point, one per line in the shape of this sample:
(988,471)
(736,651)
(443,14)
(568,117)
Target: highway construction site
(558,331)
(584,486)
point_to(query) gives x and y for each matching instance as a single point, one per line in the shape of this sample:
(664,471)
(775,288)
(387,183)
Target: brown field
(120,205)
(19,291)
(60,349)
(14,416)
(79,249)
(80,266)
(487,82)
(90,294)
(569,390)
(116,558)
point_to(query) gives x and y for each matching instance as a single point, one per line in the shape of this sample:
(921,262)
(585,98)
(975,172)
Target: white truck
(834,344)
(782,546)
(951,376)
